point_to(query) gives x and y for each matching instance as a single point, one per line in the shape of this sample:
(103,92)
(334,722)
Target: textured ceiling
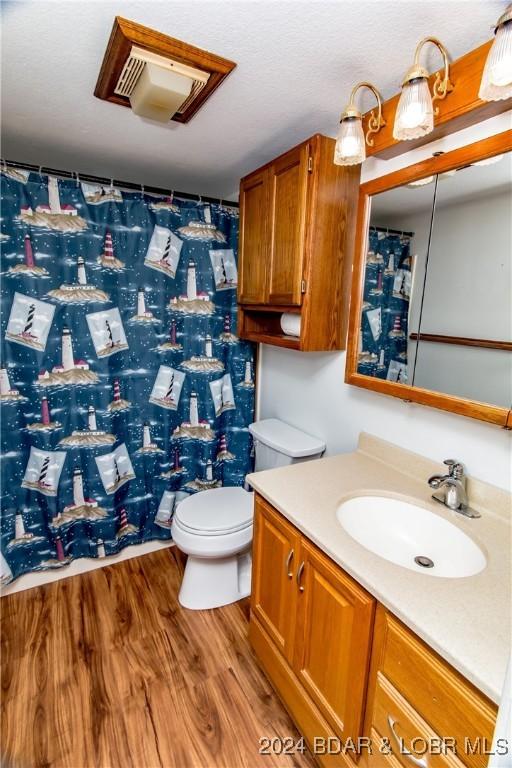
(296,64)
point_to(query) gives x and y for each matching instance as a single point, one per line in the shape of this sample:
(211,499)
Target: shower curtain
(385,310)
(124,387)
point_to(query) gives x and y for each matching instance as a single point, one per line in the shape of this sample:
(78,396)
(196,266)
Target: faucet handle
(455,468)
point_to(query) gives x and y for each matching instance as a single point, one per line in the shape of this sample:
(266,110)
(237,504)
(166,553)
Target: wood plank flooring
(106,670)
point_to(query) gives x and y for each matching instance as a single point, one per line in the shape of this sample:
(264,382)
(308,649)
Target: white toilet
(214,528)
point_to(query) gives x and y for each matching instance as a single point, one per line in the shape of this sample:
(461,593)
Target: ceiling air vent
(158,76)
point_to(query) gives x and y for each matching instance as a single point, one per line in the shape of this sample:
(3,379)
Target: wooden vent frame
(126,34)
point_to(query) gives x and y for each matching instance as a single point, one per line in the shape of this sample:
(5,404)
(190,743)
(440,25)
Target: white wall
(308,389)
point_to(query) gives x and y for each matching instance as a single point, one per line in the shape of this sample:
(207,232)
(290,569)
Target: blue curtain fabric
(124,387)
(385,310)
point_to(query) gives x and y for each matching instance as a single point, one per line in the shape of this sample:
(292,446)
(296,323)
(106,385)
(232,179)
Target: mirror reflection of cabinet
(431,314)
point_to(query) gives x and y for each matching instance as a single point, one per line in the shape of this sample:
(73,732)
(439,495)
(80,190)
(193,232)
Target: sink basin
(410,536)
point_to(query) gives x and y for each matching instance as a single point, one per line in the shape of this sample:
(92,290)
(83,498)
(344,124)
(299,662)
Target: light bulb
(350,142)
(497,75)
(415,114)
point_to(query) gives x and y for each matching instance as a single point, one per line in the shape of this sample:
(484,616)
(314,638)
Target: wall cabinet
(297,223)
(314,630)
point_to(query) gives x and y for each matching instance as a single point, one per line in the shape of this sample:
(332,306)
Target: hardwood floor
(106,670)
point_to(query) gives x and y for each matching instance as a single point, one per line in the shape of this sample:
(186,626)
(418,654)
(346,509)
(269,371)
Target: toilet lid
(219,510)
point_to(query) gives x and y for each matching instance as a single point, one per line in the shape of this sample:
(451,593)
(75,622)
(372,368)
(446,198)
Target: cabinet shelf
(276,339)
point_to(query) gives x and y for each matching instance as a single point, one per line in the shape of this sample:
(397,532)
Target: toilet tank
(278,444)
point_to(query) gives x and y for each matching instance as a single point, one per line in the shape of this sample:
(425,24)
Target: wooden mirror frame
(457,158)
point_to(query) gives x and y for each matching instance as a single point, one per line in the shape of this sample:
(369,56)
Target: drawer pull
(289,559)
(299,576)
(420,762)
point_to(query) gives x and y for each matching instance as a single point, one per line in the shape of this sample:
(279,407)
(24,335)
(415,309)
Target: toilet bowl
(214,527)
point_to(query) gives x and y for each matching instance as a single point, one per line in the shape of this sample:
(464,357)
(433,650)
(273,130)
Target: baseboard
(81,565)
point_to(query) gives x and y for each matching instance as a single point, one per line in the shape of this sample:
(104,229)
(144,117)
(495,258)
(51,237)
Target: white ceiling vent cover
(158,87)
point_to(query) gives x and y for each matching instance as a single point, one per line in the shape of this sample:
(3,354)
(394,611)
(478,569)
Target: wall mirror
(431,309)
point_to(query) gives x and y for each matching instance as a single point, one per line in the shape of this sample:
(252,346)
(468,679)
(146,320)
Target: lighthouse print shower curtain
(124,387)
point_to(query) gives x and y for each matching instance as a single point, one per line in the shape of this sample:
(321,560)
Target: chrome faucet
(452,489)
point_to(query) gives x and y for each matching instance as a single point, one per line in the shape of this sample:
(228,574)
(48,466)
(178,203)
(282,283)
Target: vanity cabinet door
(288,194)
(332,640)
(274,594)
(254,238)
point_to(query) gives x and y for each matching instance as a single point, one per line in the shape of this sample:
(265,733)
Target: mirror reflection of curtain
(385,310)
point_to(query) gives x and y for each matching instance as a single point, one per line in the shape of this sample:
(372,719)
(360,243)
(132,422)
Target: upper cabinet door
(254,238)
(273,597)
(288,198)
(332,640)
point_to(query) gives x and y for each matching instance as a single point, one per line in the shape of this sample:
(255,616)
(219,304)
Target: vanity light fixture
(497,75)
(414,116)
(489,160)
(351,142)
(421,182)
(429,179)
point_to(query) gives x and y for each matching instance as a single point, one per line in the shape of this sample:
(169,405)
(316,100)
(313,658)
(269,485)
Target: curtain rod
(391,231)
(129,185)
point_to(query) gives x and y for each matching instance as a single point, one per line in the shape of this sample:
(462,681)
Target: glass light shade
(489,160)
(350,146)
(421,182)
(415,113)
(497,76)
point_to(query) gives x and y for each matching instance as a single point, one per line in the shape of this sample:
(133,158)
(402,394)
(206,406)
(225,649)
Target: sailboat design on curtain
(163,252)
(55,215)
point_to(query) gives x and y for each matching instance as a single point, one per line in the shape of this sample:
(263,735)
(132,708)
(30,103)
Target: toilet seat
(217,512)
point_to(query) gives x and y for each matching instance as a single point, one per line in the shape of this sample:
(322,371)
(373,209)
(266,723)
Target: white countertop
(466,620)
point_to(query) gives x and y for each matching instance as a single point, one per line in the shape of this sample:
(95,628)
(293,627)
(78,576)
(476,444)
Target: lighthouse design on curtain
(123,385)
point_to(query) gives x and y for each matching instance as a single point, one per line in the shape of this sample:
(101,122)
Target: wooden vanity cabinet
(311,628)
(414,697)
(314,628)
(274,593)
(297,224)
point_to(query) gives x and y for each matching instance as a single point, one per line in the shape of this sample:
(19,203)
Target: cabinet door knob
(299,576)
(289,559)
(421,763)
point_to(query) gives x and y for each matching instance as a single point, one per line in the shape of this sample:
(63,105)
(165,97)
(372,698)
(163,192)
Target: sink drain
(424,561)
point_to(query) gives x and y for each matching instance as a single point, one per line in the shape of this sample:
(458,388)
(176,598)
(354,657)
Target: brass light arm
(375,121)
(442,85)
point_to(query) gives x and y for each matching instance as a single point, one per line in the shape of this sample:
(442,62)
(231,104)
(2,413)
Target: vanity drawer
(378,757)
(451,706)
(412,741)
